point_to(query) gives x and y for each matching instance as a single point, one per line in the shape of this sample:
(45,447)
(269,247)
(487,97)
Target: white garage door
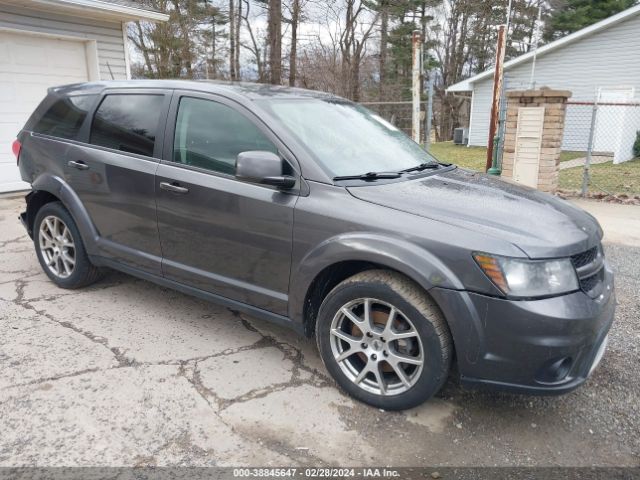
(29,64)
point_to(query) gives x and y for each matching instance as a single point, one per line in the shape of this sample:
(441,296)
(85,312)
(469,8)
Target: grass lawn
(605,177)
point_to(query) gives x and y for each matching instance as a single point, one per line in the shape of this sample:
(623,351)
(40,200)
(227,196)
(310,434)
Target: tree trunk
(140,44)
(237,40)
(384,39)
(255,48)
(232,41)
(295,19)
(355,79)
(213,49)
(275,41)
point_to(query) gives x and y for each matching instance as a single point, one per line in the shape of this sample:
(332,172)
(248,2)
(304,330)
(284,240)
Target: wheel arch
(50,188)
(341,257)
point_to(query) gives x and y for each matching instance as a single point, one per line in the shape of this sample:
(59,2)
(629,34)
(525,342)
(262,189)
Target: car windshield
(347,139)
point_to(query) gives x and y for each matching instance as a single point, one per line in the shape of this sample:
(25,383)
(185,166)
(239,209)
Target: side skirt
(196,292)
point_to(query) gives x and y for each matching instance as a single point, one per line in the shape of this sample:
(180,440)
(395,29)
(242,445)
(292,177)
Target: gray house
(44,43)
(600,62)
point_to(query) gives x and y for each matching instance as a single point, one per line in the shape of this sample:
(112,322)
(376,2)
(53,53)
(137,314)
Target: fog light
(554,370)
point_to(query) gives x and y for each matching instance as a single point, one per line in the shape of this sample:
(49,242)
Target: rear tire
(398,359)
(60,250)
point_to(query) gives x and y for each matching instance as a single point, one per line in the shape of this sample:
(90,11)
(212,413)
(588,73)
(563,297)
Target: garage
(29,65)
(56,42)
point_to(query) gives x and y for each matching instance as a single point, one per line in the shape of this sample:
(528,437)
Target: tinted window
(64,118)
(211,135)
(127,123)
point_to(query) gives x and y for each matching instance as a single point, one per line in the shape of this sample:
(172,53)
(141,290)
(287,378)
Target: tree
(296,17)
(179,47)
(275,41)
(573,15)
(233,74)
(253,47)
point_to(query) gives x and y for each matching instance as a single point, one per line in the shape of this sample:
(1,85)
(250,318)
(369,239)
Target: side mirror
(264,168)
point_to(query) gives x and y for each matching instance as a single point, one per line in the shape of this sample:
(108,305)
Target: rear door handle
(173,187)
(80,165)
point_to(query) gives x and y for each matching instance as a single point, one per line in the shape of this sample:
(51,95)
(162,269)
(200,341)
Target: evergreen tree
(574,15)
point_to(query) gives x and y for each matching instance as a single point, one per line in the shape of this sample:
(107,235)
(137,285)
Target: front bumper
(547,346)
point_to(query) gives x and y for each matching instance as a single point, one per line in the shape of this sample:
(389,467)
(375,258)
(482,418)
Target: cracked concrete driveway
(128,373)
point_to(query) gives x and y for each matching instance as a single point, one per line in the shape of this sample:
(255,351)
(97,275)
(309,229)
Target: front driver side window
(210,135)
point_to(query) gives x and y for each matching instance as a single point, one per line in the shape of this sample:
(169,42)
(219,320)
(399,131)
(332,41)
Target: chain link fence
(399,114)
(433,117)
(601,147)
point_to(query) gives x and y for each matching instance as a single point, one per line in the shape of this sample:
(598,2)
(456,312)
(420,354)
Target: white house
(44,43)
(599,62)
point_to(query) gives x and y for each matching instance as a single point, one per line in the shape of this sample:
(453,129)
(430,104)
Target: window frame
(169,136)
(51,100)
(85,130)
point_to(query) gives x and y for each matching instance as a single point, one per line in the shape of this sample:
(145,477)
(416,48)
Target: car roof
(246,90)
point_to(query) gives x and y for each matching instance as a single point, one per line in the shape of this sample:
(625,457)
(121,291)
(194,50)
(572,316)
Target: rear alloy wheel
(384,340)
(57,246)
(60,249)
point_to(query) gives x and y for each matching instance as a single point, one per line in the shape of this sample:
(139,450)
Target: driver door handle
(80,165)
(173,187)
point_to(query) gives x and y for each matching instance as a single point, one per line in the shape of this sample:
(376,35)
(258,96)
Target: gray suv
(312,212)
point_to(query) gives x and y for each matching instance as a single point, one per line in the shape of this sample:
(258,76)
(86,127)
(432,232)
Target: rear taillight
(16,147)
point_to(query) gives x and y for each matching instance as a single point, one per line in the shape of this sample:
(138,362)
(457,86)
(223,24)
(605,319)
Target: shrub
(636,145)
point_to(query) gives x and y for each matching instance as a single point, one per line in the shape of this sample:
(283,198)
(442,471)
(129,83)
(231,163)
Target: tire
(417,331)
(52,219)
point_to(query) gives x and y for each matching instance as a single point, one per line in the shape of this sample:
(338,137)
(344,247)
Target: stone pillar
(555,104)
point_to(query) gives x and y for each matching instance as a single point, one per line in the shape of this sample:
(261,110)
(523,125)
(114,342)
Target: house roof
(467,85)
(123,10)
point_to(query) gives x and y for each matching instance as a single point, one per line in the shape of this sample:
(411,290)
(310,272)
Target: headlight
(529,278)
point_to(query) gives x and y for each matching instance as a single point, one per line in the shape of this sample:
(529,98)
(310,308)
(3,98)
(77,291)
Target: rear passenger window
(127,122)
(65,117)
(210,135)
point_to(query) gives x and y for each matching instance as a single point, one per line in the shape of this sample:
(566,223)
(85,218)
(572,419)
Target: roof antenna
(110,71)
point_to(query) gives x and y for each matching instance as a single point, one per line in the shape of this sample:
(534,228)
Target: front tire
(384,340)
(60,250)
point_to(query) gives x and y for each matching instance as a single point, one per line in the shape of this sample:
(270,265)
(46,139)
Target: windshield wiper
(369,176)
(423,166)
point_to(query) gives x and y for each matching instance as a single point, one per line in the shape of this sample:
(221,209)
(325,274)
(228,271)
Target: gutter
(123,11)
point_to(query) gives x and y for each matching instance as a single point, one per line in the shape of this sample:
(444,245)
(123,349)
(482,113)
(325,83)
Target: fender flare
(57,187)
(392,252)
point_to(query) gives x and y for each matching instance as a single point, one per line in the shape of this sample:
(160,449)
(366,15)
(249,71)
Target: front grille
(589,283)
(589,267)
(584,258)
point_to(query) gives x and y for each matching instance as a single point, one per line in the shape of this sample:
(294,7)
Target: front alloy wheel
(384,340)
(376,346)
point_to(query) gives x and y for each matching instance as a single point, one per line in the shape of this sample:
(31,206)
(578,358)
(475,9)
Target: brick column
(555,103)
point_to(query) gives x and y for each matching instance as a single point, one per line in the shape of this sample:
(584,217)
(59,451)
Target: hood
(541,225)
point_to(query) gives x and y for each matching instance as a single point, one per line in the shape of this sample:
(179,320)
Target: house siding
(609,58)
(107,34)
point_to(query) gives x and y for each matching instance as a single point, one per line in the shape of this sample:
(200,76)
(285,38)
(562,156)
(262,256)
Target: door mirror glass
(265,168)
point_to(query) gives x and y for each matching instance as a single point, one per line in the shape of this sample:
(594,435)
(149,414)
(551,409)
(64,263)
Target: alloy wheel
(376,346)
(57,246)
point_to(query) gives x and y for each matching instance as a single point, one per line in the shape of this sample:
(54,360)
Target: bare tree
(275,41)
(232,43)
(293,53)
(353,43)
(253,47)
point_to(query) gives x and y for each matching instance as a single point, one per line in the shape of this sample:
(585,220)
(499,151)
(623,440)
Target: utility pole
(415,87)
(495,104)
